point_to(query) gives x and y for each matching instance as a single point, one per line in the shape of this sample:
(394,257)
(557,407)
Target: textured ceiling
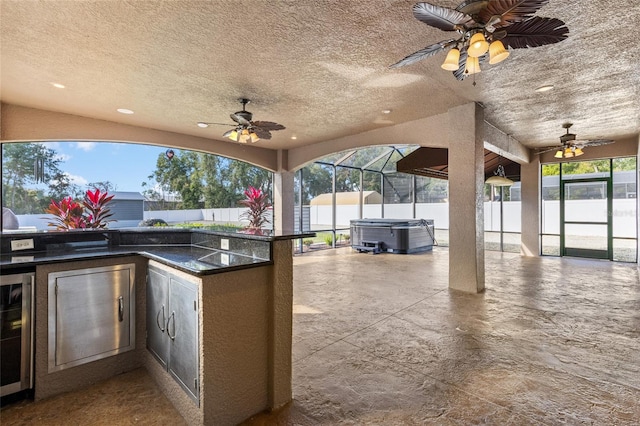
(318,67)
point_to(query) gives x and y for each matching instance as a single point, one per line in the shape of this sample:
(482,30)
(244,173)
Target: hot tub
(392,235)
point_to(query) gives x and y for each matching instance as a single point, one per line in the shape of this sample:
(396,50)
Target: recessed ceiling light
(57,85)
(294,137)
(386,111)
(544,88)
(124,111)
(202,124)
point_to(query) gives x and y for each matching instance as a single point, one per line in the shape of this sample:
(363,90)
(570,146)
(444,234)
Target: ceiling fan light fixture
(478,45)
(244,136)
(231,134)
(499,178)
(254,137)
(472,66)
(497,52)
(577,152)
(452,62)
(568,153)
(499,181)
(559,153)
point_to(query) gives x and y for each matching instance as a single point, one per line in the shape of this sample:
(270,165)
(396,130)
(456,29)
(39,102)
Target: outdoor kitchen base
(401,236)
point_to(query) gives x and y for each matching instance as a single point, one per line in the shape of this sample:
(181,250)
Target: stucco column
(283,196)
(638,207)
(281,325)
(466,200)
(530,196)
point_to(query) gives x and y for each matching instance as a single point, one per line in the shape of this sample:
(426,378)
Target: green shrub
(327,238)
(307,242)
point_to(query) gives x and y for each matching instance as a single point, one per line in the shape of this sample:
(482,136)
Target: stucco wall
(30,124)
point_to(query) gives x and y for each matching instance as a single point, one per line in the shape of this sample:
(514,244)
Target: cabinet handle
(160,326)
(173,315)
(120,309)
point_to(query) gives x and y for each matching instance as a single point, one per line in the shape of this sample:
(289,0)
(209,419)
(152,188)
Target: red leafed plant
(94,203)
(258,204)
(92,213)
(67,214)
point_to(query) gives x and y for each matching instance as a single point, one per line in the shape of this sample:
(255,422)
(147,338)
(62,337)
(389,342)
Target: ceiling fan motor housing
(569,137)
(244,114)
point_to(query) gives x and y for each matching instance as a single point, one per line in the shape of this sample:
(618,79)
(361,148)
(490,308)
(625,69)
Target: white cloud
(62,157)
(78,180)
(51,145)
(85,146)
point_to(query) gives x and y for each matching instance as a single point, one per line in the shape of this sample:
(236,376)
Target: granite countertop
(190,259)
(266,235)
(195,251)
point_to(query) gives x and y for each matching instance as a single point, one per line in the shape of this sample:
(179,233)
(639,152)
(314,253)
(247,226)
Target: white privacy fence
(223,216)
(624,215)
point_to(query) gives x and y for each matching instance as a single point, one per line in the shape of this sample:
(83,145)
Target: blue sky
(124,165)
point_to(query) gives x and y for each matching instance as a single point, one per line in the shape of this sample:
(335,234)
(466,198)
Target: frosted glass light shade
(568,153)
(231,134)
(452,62)
(497,52)
(254,137)
(243,137)
(499,181)
(472,66)
(577,152)
(478,46)
(559,153)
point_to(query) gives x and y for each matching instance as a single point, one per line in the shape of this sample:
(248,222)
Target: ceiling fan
(484,28)
(246,130)
(570,147)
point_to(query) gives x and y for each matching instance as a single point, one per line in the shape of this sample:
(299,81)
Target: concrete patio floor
(379,339)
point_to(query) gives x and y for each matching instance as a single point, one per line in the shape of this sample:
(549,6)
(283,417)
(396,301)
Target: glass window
(550,205)
(625,209)
(146,181)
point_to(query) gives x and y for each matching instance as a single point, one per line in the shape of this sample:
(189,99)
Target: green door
(585,218)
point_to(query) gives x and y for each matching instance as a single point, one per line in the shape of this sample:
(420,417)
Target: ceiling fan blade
(424,53)
(263,134)
(540,151)
(592,142)
(268,125)
(440,17)
(506,12)
(219,124)
(535,32)
(239,119)
(459,73)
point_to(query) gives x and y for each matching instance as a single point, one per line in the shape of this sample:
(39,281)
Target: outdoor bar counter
(241,289)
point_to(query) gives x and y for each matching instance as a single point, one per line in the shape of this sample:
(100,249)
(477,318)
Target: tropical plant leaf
(535,32)
(510,11)
(424,53)
(440,17)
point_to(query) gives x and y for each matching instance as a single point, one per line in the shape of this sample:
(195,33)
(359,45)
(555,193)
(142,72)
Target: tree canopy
(199,180)
(31,176)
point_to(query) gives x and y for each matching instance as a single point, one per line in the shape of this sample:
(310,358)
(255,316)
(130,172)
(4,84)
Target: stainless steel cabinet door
(90,314)
(182,329)
(157,314)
